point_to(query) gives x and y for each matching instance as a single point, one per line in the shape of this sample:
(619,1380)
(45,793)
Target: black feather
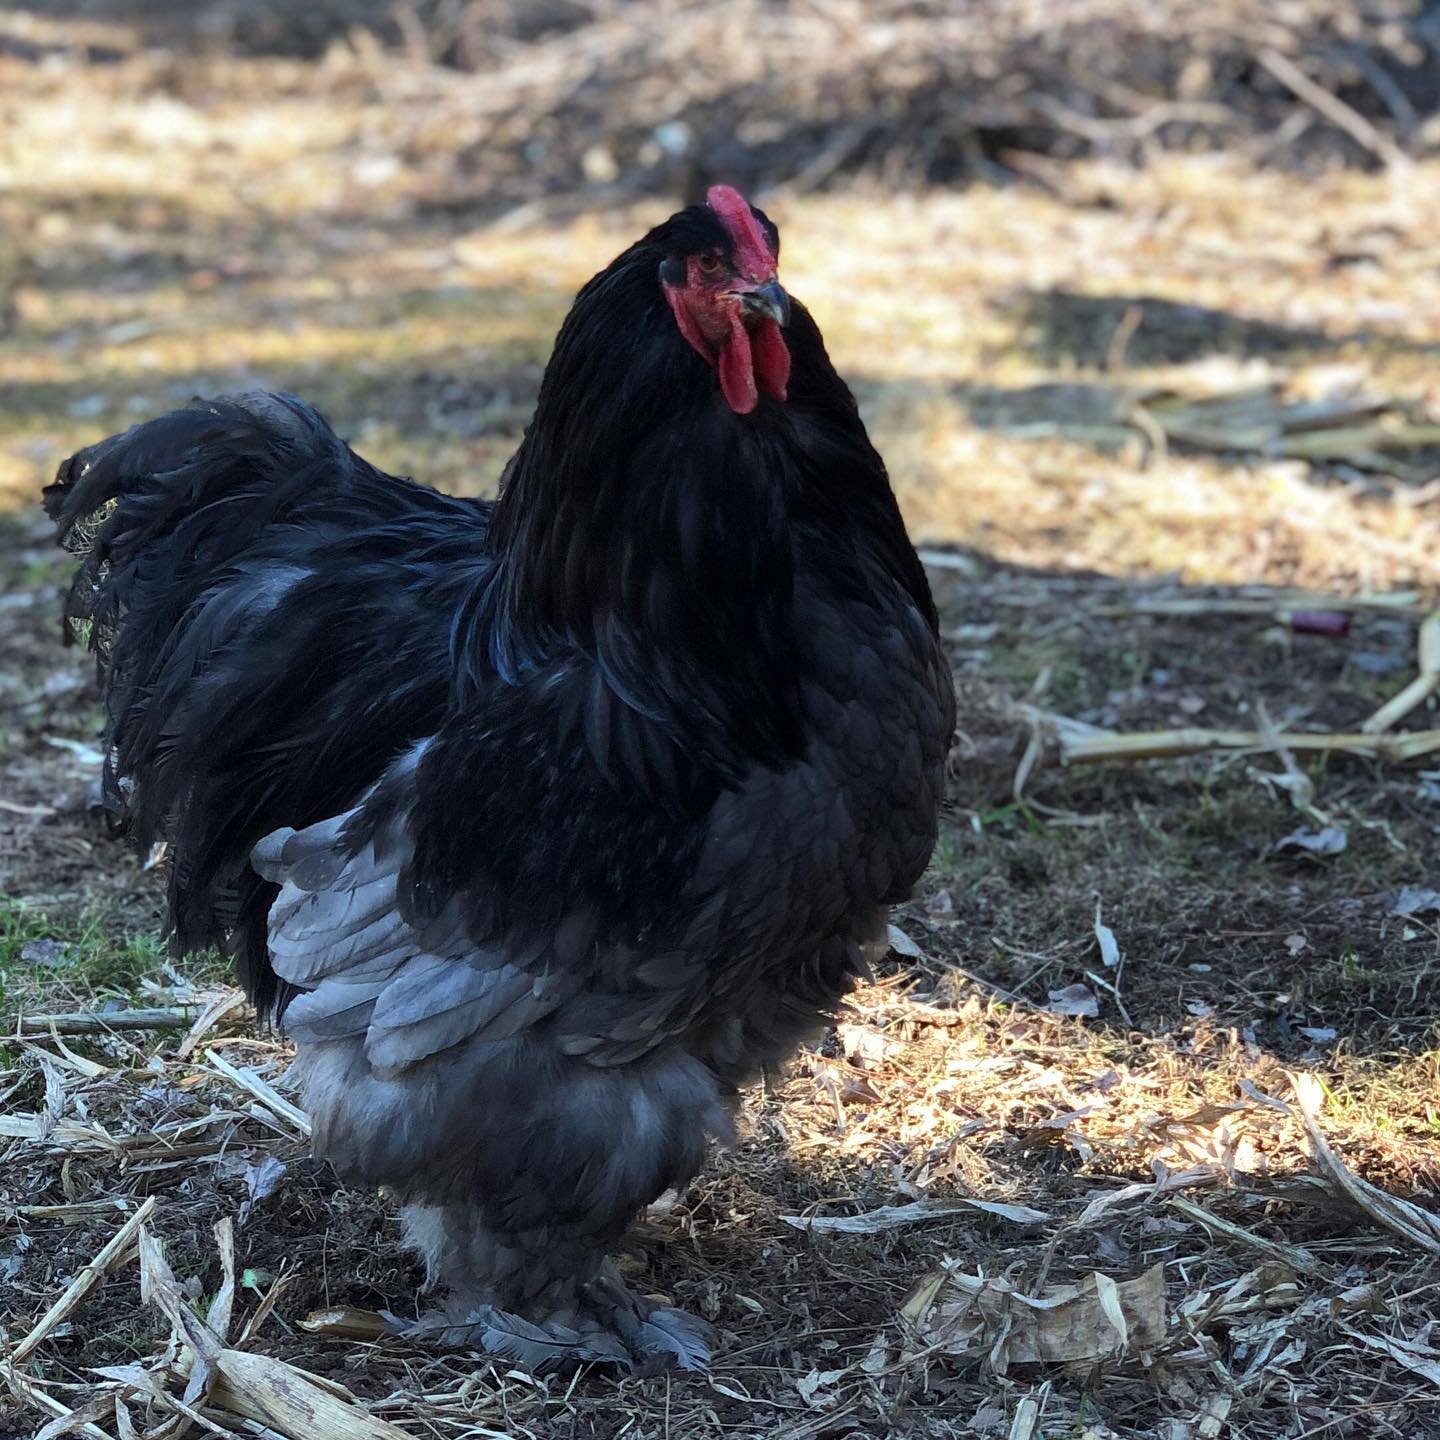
(268,612)
(570,813)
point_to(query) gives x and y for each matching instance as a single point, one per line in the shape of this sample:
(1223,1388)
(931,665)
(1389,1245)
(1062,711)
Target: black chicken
(545,824)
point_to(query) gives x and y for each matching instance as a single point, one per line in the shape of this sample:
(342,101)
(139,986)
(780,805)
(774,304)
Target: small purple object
(1320,622)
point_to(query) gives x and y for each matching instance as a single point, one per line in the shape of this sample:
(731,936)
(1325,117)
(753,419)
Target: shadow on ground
(1096,331)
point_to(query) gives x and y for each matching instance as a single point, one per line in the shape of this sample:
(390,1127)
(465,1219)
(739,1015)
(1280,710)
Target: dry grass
(261,224)
(1129,1150)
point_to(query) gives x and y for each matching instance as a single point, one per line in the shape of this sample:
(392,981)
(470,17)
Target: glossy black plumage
(563,817)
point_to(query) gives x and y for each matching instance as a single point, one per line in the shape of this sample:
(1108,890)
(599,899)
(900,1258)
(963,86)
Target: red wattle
(772,359)
(737,369)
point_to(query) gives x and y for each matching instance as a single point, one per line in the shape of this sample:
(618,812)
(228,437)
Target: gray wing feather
(336,931)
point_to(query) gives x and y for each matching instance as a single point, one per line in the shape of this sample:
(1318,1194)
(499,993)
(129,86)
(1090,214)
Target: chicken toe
(607,1324)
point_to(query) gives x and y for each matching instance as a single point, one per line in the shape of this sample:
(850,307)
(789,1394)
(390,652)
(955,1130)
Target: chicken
(542,825)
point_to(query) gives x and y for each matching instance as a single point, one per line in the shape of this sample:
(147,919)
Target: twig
(1296,1256)
(1415,1226)
(207,1020)
(1420,689)
(67,1212)
(26,1390)
(1167,744)
(100,1022)
(38,812)
(262,1090)
(1114,988)
(83,1283)
(1399,602)
(1332,107)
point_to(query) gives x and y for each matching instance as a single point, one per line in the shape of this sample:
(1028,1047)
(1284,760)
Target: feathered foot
(609,1324)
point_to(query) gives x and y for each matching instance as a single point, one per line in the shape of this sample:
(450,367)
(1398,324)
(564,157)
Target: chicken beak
(767,300)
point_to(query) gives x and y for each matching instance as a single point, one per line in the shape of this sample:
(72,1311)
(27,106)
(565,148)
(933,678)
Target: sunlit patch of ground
(267,223)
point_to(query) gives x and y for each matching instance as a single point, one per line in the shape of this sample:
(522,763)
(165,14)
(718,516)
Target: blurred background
(1029,230)
(1141,301)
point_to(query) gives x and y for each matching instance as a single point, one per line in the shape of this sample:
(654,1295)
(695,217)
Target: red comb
(753,256)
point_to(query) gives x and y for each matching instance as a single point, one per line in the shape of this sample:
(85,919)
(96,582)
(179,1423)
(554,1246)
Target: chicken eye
(708,264)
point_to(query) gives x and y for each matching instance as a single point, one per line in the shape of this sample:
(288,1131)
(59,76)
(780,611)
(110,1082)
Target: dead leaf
(1098,1319)
(1058,1130)
(1108,1294)
(811,1386)
(1076,1000)
(134,1376)
(1330,840)
(987,1418)
(866,1047)
(903,945)
(1360,1299)
(1411,901)
(1419,1361)
(262,1179)
(1271,1285)
(1105,938)
(876,1358)
(940,907)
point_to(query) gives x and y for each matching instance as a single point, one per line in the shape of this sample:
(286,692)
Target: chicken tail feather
(239,566)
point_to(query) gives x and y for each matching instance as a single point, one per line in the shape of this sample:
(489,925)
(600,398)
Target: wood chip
(1210,1422)
(344,1322)
(1028,1414)
(292,1401)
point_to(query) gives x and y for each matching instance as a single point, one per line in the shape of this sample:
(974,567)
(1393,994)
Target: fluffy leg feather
(542,1299)
(522,1169)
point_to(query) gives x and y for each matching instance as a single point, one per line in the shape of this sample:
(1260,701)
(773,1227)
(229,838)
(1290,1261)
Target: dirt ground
(1169,440)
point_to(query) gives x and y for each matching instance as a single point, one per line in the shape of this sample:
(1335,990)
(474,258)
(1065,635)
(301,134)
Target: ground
(1099,555)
